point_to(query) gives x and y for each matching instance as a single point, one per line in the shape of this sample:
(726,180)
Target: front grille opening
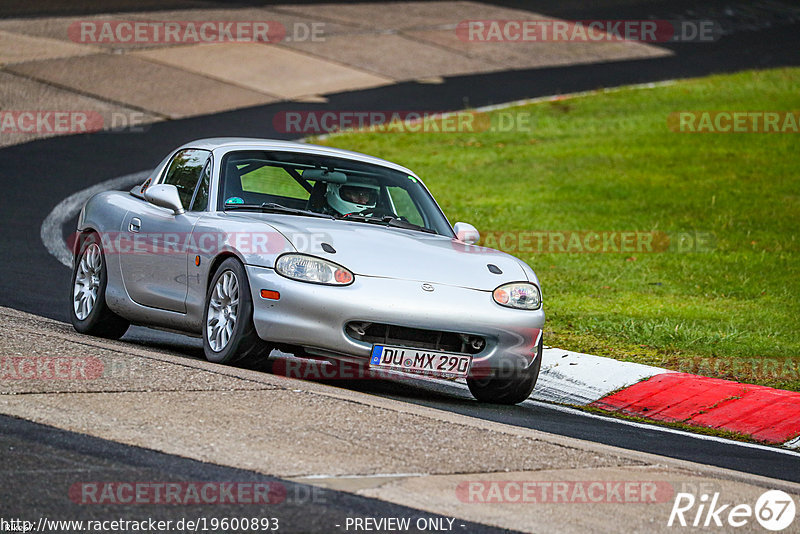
(417,338)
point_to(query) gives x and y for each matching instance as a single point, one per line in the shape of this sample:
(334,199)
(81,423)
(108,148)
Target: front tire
(507,389)
(229,335)
(89,312)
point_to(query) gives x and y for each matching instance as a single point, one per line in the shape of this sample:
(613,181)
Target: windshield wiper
(388,220)
(272,207)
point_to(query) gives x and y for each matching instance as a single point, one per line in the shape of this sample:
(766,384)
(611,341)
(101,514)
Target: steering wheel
(377,212)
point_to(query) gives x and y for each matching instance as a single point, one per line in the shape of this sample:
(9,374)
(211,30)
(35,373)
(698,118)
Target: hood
(374,250)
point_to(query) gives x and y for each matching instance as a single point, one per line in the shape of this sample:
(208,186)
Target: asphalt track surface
(37,175)
(42,464)
(456,398)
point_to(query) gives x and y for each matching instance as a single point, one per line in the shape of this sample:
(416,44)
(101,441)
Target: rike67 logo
(774,510)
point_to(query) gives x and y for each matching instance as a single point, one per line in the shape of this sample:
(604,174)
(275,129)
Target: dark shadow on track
(46,471)
(455,397)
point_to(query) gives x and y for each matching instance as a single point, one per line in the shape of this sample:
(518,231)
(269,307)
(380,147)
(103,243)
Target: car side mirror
(165,196)
(466,233)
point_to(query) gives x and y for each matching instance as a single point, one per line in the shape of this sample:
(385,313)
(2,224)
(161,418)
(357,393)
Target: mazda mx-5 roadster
(257,244)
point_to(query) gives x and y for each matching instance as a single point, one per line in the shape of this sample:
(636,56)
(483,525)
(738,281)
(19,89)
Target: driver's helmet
(352,197)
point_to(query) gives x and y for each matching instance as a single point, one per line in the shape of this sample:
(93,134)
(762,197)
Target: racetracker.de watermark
(587,31)
(593,242)
(66,122)
(402,121)
(51,368)
(177,493)
(313,370)
(732,121)
(192,32)
(207,243)
(564,492)
(522,241)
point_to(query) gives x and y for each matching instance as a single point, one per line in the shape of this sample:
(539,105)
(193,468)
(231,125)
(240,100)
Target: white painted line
(793,443)
(575,378)
(667,430)
(50,231)
(548,405)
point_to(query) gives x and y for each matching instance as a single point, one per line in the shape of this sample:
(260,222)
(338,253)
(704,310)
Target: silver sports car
(258,244)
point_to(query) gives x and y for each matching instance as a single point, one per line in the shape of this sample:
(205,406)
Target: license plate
(420,361)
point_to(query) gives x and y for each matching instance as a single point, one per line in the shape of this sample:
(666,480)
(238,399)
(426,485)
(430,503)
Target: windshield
(333,187)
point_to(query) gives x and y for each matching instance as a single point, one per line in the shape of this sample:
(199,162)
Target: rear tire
(507,390)
(229,335)
(89,312)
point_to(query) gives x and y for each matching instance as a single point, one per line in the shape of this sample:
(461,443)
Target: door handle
(136,225)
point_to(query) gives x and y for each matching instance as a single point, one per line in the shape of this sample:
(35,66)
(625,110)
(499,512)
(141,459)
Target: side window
(273,181)
(200,201)
(184,171)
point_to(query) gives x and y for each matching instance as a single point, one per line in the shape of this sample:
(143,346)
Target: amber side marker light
(272,295)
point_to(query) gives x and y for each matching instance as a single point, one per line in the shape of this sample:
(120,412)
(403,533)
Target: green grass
(608,162)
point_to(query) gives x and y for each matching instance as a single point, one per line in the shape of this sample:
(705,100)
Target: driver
(351,197)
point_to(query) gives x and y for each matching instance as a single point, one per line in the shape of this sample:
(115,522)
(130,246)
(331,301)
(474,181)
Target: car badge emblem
(427,287)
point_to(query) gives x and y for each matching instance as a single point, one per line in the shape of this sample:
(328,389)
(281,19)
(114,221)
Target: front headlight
(520,295)
(313,269)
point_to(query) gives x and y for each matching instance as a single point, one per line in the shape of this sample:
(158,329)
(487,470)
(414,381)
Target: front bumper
(314,317)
